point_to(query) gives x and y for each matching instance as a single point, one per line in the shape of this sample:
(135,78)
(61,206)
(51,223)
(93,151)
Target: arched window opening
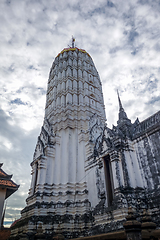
(92,95)
(109,179)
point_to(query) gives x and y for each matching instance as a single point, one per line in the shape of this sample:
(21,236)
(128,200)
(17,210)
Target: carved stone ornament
(95,127)
(104,141)
(46,138)
(39,150)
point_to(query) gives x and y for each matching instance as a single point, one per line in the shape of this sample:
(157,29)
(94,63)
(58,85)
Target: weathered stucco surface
(85,175)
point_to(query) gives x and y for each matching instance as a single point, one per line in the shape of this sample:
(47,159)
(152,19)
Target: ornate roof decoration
(107,139)
(73,49)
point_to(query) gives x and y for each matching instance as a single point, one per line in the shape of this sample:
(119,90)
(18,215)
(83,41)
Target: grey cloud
(14,134)
(157,47)
(154,4)
(17,101)
(17,159)
(110,4)
(153,101)
(32,67)
(114,50)
(32,90)
(132,35)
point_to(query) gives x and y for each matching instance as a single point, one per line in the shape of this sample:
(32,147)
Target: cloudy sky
(123,38)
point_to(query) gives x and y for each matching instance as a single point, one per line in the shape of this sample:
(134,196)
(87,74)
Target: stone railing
(147,124)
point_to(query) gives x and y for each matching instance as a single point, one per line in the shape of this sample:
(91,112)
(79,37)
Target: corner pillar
(117,172)
(132,226)
(2,199)
(41,173)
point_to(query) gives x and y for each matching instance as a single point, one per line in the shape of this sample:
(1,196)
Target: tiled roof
(7,183)
(15,222)
(4,175)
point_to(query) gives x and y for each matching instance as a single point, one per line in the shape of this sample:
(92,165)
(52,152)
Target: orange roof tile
(7,183)
(2,173)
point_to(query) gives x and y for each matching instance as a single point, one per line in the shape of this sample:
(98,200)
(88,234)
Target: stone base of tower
(72,220)
(65,210)
(28,228)
(100,222)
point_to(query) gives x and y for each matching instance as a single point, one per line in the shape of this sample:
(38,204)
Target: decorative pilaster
(50,154)
(132,226)
(58,237)
(41,173)
(89,148)
(126,176)
(148,226)
(39,235)
(117,172)
(33,180)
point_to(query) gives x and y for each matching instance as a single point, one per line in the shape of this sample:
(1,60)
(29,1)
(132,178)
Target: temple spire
(124,123)
(119,100)
(122,113)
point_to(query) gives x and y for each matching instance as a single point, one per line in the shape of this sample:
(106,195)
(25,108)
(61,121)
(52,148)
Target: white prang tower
(84,174)
(61,194)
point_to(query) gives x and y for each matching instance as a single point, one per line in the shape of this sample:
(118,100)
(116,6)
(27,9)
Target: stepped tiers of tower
(74,90)
(84,174)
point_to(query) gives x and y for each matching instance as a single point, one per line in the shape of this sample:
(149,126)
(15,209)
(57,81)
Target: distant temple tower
(84,174)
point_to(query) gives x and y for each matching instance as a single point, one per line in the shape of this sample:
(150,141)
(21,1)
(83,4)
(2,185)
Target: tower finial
(122,113)
(119,100)
(73,40)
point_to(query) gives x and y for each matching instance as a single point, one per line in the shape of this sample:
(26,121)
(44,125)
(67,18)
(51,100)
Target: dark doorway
(109,179)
